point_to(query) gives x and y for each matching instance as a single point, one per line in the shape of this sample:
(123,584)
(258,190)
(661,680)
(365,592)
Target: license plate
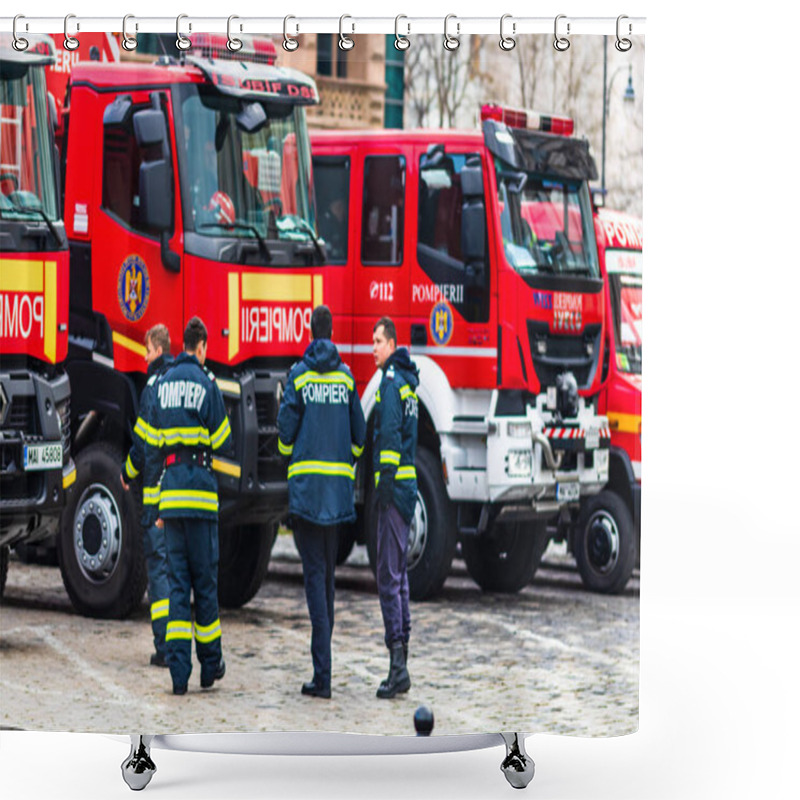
(568,492)
(42,456)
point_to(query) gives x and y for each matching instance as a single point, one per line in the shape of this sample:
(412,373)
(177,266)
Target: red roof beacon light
(532,120)
(258,50)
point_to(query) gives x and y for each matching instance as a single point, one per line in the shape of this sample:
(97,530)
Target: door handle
(419,335)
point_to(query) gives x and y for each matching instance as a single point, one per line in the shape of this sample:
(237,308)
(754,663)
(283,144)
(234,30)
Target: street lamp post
(629,96)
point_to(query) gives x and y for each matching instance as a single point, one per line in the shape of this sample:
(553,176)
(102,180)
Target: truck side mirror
(473,231)
(149,127)
(155,195)
(472,181)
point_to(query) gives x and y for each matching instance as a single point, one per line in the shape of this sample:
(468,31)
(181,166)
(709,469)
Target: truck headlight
(519,463)
(601,460)
(519,430)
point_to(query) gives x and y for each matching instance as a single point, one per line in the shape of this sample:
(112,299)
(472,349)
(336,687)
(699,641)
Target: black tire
(605,545)
(505,558)
(432,538)
(104,575)
(244,552)
(4,552)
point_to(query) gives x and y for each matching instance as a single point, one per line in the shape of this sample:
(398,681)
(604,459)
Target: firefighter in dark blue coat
(322,430)
(158,358)
(189,425)
(394,455)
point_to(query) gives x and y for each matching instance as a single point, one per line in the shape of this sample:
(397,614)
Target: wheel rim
(417,533)
(97,533)
(602,542)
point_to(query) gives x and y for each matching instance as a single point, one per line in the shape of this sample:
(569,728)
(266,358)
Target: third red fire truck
(481,246)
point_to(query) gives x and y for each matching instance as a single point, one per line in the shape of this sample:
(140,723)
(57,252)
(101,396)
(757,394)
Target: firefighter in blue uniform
(189,424)
(158,358)
(394,454)
(321,428)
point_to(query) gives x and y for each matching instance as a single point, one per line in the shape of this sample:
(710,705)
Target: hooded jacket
(394,451)
(321,429)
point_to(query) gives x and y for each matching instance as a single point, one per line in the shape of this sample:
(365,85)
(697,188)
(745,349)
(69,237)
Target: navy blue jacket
(188,416)
(394,451)
(321,428)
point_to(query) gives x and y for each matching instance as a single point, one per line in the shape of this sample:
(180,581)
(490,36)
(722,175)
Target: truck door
(381,285)
(451,283)
(131,283)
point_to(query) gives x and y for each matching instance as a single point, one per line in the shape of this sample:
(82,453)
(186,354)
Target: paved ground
(553,659)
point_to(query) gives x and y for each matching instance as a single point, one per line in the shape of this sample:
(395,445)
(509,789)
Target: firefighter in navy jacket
(189,424)
(158,358)
(322,430)
(394,455)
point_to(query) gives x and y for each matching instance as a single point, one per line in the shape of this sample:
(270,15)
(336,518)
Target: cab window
(332,192)
(382,223)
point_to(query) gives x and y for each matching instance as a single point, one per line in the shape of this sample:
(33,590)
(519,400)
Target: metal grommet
(561,43)
(129,42)
(451,42)
(18,43)
(623,45)
(507,42)
(290,44)
(70,42)
(182,43)
(234,44)
(345,42)
(401,42)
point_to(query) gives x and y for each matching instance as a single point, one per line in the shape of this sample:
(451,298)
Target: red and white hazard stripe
(573,433)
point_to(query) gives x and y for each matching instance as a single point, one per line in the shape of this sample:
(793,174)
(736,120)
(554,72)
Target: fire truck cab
(36,469)
(606,537)
(187,191)
(480,245)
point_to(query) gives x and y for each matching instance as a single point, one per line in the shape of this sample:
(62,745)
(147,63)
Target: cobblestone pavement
(552,659)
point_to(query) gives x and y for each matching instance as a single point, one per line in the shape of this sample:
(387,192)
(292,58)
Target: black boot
(398,680)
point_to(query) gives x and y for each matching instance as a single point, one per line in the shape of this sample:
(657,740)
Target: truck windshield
(246,167)
(546,224)
(27,170)
(624,269)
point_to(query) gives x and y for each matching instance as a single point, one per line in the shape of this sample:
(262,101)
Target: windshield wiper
(30,210)
(310,231)
(262,245)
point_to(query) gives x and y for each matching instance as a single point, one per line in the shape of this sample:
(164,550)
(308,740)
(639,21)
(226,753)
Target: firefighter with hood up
(180,490)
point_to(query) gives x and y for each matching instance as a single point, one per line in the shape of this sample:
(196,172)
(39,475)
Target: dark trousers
(392,575)
(318,545)
(193,560)
(155,553)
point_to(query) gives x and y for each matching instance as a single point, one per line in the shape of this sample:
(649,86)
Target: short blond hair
(158,336)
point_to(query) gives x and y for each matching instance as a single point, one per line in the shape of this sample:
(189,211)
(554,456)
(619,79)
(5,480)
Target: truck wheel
(605,543)
(3,568)
(100,549)
(244,552)
(505,558)
(432,536)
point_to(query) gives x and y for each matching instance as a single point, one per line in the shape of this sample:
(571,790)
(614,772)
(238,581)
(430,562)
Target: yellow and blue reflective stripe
(208,633)
(406,473)
(221,434)
(285,449)
(130,470)
(146,432)
(151,495)
(172,499)
(160,609)
(179,629)
(169,437)
(322,468)
(326,377)
(390,457)
(356,450)
(407,391)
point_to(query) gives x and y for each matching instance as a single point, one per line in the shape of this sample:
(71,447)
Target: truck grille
(22,415)
(564,353)
(271,465)
(64,413)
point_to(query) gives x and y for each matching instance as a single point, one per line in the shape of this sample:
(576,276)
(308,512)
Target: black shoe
(398,680)
(313,689)
(205,683)
(178,689)
(158,660)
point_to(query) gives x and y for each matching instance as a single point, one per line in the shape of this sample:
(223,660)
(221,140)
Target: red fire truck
(187,191)
(605,539)
(35,464)
(481,246)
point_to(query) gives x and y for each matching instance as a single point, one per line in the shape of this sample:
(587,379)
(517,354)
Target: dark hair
(158,336)
(388,328)
(194,333)
(321,323)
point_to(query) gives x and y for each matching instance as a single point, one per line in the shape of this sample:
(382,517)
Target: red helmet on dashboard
(221,206)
